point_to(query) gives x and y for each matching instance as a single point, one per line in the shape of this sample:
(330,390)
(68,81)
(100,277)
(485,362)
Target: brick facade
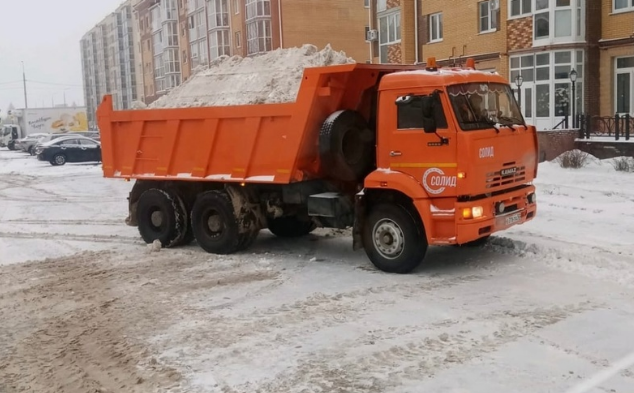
(520,33)
(394,54)
(340,23)
(615,25)
(554,143)
(461,35)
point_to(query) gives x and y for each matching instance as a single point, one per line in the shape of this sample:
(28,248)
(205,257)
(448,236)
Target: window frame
(521,14)
(439,114)
(627,8)
(393,16)
(435,20)
(491,16)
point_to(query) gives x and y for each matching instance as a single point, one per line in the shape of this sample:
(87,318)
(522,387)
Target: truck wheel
(395,241)
(160,215)
(346,146)
(214,223)
(290,226)
(11,145)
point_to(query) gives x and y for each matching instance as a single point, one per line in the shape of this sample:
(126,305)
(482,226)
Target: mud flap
(359,221)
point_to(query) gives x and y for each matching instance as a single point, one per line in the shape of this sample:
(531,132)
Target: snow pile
(273,77)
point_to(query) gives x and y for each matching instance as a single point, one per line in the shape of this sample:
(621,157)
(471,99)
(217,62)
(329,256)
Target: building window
(218,14)
(219,44)
(389,33)
(556,21)
(236,7)
(624,88)
(381,5)
(238,38)
(623,5)
(366,3)
(520,7)
(259,36)
(171,32)
(258,8)
(488,17)
(435,27)
(546,84)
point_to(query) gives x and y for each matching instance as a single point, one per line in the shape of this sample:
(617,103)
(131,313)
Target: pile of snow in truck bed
(273,77)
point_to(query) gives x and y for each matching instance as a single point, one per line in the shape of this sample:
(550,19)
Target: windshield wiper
(514,121)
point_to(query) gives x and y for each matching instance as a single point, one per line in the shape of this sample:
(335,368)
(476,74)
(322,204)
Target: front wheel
(394,239)
(58,159)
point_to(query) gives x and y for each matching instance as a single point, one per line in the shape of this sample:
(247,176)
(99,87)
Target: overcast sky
(45,35)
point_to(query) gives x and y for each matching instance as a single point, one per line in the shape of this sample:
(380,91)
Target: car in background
(28,141)
(73,148)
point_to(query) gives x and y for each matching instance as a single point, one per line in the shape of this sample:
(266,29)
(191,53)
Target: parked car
(23,144)
(69,149)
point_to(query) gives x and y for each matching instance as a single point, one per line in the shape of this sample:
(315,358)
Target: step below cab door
(420,140)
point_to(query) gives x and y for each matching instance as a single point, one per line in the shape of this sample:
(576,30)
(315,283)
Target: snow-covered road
(85,307)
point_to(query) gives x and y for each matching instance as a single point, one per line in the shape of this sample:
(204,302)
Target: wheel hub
(388,239)
(214,224)
(157,218)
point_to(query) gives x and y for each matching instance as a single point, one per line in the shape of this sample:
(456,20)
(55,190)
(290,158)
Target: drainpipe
(279,17)
(370,26)
(416,30)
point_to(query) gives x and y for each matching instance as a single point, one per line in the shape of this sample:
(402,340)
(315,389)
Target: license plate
(512,219)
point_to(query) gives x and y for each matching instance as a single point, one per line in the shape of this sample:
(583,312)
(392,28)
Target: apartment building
(176,36)
(108,61)
(616,47)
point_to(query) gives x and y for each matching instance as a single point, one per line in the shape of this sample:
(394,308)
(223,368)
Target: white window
(219,44)
(381,5)
(389,32)
(218,14)
(236,7)
(435,27)
(171,33)
(624,85)
(366,3)
(558,21)
(258,8)
(487,17)
(623,5)
(520,7)
(546,86)
(259,36)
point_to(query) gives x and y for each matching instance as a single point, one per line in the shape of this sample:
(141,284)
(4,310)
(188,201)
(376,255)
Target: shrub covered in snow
(573,159)
(623,164)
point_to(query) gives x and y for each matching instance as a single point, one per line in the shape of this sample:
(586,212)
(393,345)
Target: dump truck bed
(267,143)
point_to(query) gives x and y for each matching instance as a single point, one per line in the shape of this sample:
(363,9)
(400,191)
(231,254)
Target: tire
(247,240)
(58,159)
(160,216)
(11,145)
(224,238)
(476,243)
(395,223)
(346,146)
(290,226)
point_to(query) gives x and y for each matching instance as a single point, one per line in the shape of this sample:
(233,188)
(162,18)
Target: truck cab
(453,140)
(10,133)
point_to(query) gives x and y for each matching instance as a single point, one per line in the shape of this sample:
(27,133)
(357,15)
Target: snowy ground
(539,309)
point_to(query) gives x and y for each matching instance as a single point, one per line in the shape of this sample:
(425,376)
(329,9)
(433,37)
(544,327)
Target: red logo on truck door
(435,181)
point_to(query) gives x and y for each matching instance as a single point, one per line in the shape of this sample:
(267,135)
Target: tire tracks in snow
(394,355)
(72,237)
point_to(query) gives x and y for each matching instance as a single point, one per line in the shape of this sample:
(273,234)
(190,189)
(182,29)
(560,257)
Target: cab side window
(410,112)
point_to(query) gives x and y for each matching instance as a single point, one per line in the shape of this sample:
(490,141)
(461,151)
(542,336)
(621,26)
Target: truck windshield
(482,105)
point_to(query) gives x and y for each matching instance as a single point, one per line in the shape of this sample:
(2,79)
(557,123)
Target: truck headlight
(532,198)
(472,212)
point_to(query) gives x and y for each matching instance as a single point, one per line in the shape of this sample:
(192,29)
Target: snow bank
(273,77)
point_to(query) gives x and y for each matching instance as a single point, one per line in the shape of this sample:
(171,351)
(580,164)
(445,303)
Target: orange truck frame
(408,156)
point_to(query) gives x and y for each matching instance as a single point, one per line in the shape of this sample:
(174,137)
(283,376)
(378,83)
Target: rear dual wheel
(216,224)
(162,215)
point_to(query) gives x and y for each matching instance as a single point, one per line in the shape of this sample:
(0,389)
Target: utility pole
(26,103)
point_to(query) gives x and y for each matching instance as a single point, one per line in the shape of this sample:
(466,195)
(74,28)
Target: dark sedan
(69,149)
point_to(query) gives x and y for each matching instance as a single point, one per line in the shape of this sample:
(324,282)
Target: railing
(617,126)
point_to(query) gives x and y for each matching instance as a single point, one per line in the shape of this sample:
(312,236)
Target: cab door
(413,147)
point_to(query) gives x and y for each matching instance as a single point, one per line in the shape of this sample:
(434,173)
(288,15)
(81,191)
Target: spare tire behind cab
(346,146)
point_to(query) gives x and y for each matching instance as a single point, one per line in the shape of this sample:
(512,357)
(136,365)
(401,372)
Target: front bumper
(518,211)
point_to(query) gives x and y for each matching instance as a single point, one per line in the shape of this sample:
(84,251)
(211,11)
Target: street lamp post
(573,79)
(518,82)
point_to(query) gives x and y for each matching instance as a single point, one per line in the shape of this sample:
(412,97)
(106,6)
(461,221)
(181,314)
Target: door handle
(395,153)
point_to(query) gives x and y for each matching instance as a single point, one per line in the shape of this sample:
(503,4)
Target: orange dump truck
(407,156)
